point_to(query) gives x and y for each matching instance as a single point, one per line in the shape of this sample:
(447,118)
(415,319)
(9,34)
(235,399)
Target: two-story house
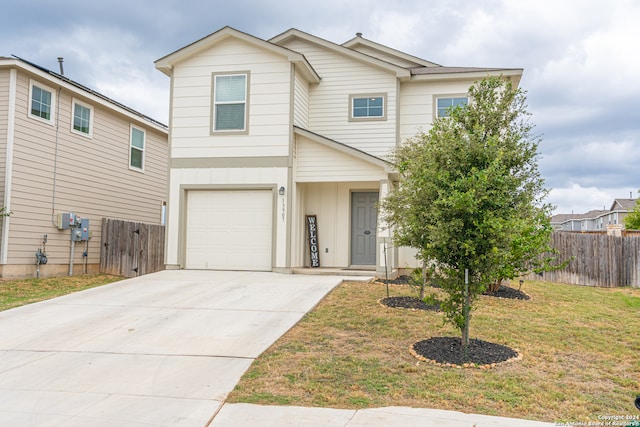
(66,149)
(595,220)
(267,135)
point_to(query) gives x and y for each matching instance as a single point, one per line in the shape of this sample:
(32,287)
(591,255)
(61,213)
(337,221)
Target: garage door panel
(229,230)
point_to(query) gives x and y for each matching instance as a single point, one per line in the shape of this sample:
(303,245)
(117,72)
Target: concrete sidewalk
(162,349)
(240,414)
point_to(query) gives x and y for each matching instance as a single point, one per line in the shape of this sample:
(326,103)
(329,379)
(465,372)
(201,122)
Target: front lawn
(17,292)
(580,348)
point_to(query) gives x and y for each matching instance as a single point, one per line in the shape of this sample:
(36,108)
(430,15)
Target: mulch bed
(448,351)
(507,292)
(412,303)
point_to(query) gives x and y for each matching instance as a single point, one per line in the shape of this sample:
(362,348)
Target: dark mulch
(507,292)
(448,350)
(408,302)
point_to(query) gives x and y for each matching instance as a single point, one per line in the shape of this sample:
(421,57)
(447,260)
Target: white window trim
(51,120)
(446,96)
(247,82)
(144,147)
(91,117)
(382,118)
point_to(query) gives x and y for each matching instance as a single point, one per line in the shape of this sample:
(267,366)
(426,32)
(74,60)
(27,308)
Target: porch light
(281,191)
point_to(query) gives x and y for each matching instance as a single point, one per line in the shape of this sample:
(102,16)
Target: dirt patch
(407,302)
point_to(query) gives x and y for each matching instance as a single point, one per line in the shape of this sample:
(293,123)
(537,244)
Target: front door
(364,221)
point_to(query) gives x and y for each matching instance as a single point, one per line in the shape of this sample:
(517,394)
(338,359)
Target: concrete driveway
(161,349)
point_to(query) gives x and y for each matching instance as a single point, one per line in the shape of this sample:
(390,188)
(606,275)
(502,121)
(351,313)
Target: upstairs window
(444,104)
(367,107)
(41,106)
(136,149)
(82,118)
(230,102)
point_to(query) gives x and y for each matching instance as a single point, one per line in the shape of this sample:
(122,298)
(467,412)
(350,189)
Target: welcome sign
(312,235)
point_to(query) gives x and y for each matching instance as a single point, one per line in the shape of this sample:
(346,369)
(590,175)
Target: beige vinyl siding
(319,163)
(4,121)
(416,103)
(5,81)
(301,103)
(329,107)
(268,110)
(92,177)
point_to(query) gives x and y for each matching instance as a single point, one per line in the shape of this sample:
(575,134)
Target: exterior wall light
(281,191)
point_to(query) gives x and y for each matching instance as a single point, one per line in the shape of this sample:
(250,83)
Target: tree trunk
(493,287)
(465,329)
(424,280)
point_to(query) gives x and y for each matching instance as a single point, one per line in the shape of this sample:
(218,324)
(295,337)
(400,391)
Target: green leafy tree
(470,196)
(632,220)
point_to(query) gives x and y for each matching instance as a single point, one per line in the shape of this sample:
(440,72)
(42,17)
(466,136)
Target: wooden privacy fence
(131,249)
(596,260)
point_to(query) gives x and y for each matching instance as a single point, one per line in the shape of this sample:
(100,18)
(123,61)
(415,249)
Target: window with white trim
(446,103)
(136,148)
(41,102)
(82,120)
(230,94)
(367,107)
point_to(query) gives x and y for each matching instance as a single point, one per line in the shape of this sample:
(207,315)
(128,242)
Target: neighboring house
(619,209)
(65,148)
(267,132)
(595,220)
(590,221)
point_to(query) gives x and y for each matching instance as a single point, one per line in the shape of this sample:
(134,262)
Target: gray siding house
(595,220)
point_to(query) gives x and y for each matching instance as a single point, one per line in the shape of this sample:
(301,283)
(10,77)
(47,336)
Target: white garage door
(229,230)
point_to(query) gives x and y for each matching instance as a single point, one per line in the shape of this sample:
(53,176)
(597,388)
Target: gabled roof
(343,148)
(623,204)
(401,72)
(423,69)
(166,63)
(359,41)
(81,89)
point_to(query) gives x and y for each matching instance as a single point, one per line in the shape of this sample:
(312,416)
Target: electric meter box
(80,233)
(84,229)
(67,220)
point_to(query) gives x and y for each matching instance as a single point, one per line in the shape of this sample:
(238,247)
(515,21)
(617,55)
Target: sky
(580,60)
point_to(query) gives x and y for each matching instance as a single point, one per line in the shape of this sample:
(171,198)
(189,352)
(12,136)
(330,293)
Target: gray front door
(364,221)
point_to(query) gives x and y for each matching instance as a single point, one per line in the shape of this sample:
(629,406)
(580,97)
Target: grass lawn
(14,293)
(580,346)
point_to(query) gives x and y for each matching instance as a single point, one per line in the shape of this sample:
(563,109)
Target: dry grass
(581,356)
(14,293)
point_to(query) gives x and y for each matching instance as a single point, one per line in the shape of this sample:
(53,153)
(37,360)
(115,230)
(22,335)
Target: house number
(283,207)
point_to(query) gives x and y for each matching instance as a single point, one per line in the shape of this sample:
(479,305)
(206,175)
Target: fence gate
(131,249)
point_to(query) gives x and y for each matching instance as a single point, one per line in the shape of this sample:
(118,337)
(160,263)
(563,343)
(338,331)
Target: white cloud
(578,199)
